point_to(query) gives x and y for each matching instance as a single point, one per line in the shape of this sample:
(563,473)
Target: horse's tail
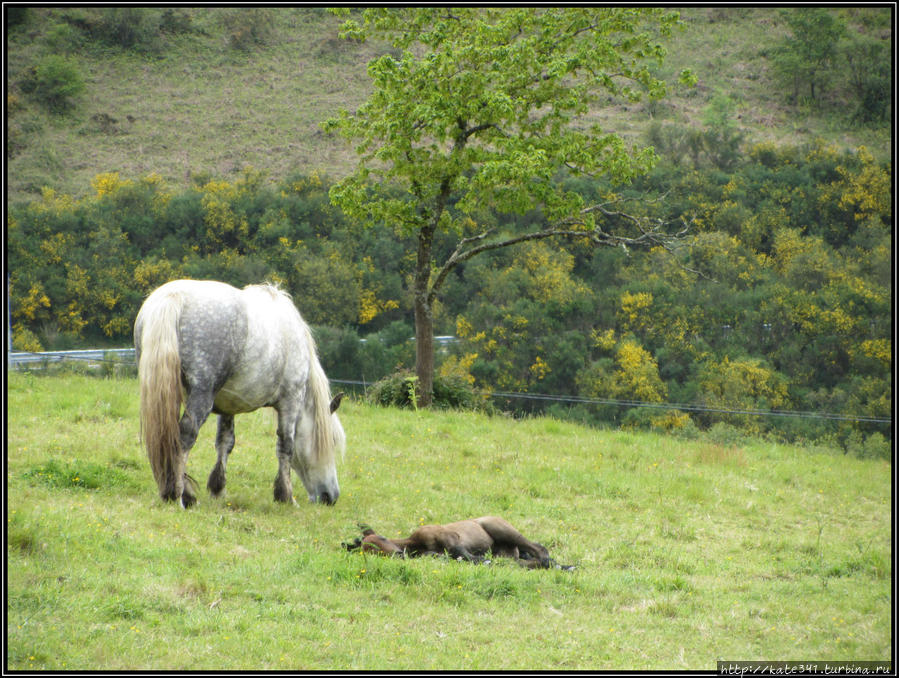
(159,372)
(328,436)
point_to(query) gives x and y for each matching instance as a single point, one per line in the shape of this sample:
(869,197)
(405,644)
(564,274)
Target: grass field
(687,551)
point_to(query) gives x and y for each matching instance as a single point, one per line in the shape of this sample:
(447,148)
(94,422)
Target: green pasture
(687,552)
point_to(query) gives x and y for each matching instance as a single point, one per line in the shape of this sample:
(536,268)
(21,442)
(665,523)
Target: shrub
(400,389)
(248,28)
(726,434)
(394,390)
(54,82)
(869,73)
(874,446)
(455,392)
(16,16)
(63,38)
(127,27)
(174,21)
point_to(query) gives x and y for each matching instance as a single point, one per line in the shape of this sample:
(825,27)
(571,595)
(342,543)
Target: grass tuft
(78,474)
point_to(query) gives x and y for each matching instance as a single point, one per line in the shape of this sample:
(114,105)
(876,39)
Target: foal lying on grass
(467,540)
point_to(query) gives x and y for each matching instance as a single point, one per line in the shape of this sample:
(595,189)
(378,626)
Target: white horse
(229,351)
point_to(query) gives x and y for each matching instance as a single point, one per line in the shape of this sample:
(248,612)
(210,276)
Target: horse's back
(246,346)
(274,357)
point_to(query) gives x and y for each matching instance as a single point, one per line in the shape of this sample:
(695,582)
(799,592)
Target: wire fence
(125,356)
(663,406)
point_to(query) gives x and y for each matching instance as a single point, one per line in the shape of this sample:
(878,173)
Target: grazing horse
(229,351)
(467,540)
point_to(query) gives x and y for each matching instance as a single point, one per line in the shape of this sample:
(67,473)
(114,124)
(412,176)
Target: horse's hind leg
(224,443)
(196,410)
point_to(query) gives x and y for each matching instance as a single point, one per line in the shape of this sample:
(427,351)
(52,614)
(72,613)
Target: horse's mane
(329,436)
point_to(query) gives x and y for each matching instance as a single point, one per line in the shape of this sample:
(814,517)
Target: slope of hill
(208,91)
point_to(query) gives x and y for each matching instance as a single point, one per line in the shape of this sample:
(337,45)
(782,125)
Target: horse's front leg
(286,433)
(224,443)
(196,410)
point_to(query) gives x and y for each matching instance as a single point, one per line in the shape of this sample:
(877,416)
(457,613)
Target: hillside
(220,89)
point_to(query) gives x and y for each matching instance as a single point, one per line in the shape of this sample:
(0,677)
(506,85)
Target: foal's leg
(224,443)
(459,552)
(287,419)
(506,537)
(453,545)
(196,410)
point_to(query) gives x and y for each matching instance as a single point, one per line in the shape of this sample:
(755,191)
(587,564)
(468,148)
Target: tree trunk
(424,295)
(424,319)
(424,350)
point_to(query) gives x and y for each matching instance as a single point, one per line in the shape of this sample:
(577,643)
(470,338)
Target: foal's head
(370,542)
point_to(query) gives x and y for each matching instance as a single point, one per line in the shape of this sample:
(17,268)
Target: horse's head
(315,458)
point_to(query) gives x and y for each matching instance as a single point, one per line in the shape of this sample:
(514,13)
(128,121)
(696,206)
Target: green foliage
(497,92)
(16,16)
(137,29)
(722,138)
(795,237)
(55,82)
(63,38)
(728,48)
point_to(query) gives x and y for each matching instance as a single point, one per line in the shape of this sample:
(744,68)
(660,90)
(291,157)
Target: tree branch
(651,234)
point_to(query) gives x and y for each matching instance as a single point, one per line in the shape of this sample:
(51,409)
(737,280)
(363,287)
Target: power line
(665,406)
(692,408)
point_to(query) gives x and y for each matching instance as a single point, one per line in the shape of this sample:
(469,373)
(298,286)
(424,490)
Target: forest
(779,300)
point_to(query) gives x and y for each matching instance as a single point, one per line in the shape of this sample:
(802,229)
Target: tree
(482,108)
(805,55)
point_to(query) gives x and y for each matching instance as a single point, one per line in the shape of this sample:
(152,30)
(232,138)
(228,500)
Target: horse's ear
(335,402)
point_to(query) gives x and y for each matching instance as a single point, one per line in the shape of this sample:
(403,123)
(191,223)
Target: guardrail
(120,355)
(95,356)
